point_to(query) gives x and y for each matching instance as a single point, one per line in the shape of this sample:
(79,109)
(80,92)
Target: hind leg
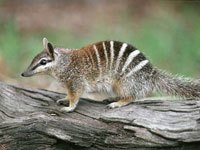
(122,102)
(121,92)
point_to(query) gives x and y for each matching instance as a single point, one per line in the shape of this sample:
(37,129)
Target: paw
(113,105)
(67,109)
(62,101)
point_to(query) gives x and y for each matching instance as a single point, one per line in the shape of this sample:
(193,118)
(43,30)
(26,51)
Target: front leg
(73,94)
(73,99)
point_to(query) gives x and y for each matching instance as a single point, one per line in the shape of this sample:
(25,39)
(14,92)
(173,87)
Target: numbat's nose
(22,74)
(26,74)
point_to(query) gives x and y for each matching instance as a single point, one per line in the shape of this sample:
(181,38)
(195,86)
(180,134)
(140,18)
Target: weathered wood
(30,119)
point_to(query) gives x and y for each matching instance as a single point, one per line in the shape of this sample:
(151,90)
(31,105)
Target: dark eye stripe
(35,67)
(40,64)
(49,61)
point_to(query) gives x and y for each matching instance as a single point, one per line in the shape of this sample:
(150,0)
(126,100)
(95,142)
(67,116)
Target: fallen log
(30,119)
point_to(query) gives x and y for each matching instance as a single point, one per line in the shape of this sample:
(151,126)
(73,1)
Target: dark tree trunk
(30,119)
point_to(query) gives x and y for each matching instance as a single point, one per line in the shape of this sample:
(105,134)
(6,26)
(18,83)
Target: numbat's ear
(48,47)
(45,42)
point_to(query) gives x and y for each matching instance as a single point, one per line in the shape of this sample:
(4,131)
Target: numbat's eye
(43,62)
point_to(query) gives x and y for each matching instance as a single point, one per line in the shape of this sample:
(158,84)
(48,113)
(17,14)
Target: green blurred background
(168,32)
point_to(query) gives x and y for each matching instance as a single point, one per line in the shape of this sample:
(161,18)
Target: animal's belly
(99,91)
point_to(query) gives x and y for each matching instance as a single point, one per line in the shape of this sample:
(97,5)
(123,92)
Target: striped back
(116,58)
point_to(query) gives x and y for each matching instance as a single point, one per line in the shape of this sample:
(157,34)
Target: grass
(169,42)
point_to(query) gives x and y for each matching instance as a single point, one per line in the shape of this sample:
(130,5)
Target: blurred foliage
(171,41)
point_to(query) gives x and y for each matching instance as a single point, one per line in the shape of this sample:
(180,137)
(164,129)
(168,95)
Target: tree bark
(30,119)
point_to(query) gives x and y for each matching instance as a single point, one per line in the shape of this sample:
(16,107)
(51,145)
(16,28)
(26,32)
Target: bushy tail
(176,85)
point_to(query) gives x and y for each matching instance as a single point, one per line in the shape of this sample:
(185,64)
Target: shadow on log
(30,119)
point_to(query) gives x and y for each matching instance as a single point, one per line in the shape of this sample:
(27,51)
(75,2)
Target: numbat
(107,69)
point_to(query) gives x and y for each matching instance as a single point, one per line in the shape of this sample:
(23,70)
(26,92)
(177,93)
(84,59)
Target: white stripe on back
(106,55)
(121,52)
(137,67)
(130,59)
(112,54)
(98,59)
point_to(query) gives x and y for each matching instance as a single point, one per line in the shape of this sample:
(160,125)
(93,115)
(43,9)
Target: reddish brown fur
(119,70)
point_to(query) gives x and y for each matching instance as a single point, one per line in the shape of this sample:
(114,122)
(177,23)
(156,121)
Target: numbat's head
(43,62)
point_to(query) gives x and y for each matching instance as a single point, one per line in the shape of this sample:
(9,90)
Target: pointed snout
(23,74)
(27,74)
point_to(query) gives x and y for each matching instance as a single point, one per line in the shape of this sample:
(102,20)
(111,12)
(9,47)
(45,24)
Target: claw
(62,101)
